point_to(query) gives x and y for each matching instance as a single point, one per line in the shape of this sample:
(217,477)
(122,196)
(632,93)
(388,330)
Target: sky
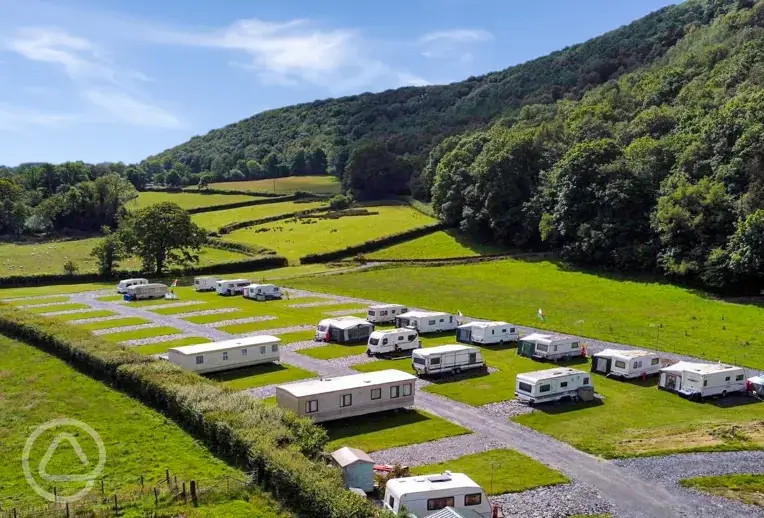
(121,80)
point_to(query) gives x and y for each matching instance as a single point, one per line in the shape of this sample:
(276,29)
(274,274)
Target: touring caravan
(552,385)
(427,321)
(231,286)
(146,291)
(343,330)
(486,333)
(626,363)
(700,380)
(755,385)
(346,396)
(549,347)
(394,341)
(384,313)
(262,292)
(205,283)
(447,359)
(423,495)
(126,283)
(226,355)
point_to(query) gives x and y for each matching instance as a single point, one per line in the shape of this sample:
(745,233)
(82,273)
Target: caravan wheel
(457,371)
(724,393)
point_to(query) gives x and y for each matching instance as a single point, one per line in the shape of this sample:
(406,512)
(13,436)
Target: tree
(137,177)
(160,178)
(13,210)
(299,164)
(108,252)
(162,235)
(205,179)
(317,162)
(254,171)
(174,179)
(272,165)
(70,268)
(745,249)
(373,172)
(236,176)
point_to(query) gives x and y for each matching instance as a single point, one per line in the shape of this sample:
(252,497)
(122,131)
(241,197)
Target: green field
(748,489)
(162,347)
(140,333)
(498,471)
(89,314)
(324,184)
(118,322)
(57,307)
(187,200)
(261,375)
(438,245)
(221,218)
(389,430)
(138,442)
(33,302)
(295,238)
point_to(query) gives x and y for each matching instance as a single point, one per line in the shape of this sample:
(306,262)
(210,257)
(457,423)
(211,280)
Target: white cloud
(457,36)
(123,107)
(407,79)
(16,118)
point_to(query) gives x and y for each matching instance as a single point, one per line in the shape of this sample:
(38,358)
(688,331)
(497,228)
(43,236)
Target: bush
(340,202)
(70,268)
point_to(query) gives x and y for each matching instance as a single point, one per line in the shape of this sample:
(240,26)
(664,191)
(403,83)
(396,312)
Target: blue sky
(117,80)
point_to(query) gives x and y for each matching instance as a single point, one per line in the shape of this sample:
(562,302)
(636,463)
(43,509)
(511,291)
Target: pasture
(186,200)
(748,489)
(438,245)
(323,184)
(220,218)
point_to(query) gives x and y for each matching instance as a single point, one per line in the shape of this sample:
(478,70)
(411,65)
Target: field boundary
(196,190)
(464,259)
(227,229)
(239,204)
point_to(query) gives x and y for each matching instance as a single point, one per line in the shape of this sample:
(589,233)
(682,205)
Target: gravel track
(124,329)
(33,297)
(205,312)
(234,321)
(174,305)
(96,319)
(154,340)
(434,452)
(553,502)
(278,330)
(314,304)
(45,305)
(270,390)
(506,409)
(302,345)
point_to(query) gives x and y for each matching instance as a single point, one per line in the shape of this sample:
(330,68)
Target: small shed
(357,468)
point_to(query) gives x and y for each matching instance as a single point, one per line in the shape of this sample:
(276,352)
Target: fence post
(194,498)
(156,496)
(176,481)
(185,498)
(55,494)
(116,505)
(14,512)
(67,509)
(102,491)
(142,486)
(167,475)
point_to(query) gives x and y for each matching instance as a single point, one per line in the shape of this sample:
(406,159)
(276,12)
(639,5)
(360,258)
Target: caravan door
(464,335)
(603,365)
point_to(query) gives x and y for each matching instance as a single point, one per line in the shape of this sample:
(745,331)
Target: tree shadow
(474,245)
(453,378)
(369,423)
(246,372)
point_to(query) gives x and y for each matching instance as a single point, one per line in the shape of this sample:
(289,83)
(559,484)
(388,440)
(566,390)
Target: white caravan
(551,385)
(423,495)
(487,333)
(225,355)
(394,341)
(384,313)
(755,386)
(126,283)
(262,292)
(700,380)
(205,283)
(146,291)
(427,321)
(626,363)
(231,286)
(550,347)
(447,359)
(343,330)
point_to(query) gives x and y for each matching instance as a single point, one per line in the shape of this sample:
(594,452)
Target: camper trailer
(384,313)
(394,341)
(700,380)
(427,321)
(423,495)
(552,385)
(447,359)
(205,283)
(346,396)
(146,291)
(343,330)
(126,283)
(549,347)
(486,333)
(229,354)
(626,364)
(755,386)
(262,292)
(231,286)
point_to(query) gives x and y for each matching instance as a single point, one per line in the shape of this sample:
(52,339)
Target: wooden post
(176,481)
(55,495)
(116,505)
(167,474)
(142,483)
(14,512)
(67,509)
(185,498)
(194,497)
(156,496)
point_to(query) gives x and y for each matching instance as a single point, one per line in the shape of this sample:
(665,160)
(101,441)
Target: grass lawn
(220,218)
(32,302)
(35,291)
(748,489)
(446,243)
(111,298)
(498,471)
(162,347)
(297,336)
(261,375)
(186,200)
(141,333)
(108,324)
(138,441)
(295,238)
(98,313)
(58,307)
(324,184)
(390,429)
(331,351)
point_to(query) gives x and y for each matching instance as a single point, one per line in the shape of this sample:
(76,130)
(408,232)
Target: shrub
(340,202)
(70,268)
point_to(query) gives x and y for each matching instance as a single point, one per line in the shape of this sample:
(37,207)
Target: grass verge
(748,489)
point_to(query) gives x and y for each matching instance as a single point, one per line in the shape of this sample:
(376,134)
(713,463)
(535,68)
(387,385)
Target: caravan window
(563,384)
(512,330)
(274,347)
(574,345)
(262,349)
(434,361)
(411,338)
(473,499)
(225,355)
(376,393)
(391,502)
(431,323)
(418,360)
(434,504)
(620,364)
(384,341)
(311,406)
(493,331)
(524,387)
(727,378)
(347,400)
(199,360)
(401,337)
(739,377)
(586,381)
(542,347)
(382,313)
(407,389)
(243,352)
(655,361)
(705,382)
(371,313)
(441,320)
(545,388)
(473,357)
(395,391)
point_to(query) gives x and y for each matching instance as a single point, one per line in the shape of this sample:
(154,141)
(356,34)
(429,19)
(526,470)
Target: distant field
(186,200)
(326,184)
(219,218)
(295,238)
(443,244)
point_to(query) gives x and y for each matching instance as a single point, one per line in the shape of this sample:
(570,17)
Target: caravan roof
(443,349)
(480,323)
(427,483)
(328,385)
(223,281)
(538,337)
(700,368)
(348,322)
(548,374)
(346,456)
(249,341)
(422,314)
(386,306)
(624,353)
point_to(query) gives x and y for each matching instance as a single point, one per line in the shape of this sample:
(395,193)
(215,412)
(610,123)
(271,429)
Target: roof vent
(444,477)
(419,479)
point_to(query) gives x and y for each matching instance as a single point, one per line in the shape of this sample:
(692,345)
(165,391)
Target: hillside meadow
(325,184)
(186,200)
(220,218)
(438,245)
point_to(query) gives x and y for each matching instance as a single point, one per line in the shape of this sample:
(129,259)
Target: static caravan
(347,396)
(146,291)
(626,363)
(126,283)
(700,380)
(343,330)
(486,333)
(424,495)
(447,359)
(549,347)
(206,283)
(229,354)
(427,321)
(551,385)
(231,286)
(394,341)
(262,292)
(384,313)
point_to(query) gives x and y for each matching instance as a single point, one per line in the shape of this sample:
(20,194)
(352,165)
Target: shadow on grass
(563,407)
(372,423)
(246,372)
(733,401)
(474,245)
(453,378)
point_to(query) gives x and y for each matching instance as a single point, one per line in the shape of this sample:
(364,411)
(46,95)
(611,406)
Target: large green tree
(373,172)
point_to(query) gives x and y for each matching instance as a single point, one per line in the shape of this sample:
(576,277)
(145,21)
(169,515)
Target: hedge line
(470,258)
(227,229)
(373,244)
(275,443)
(250,250)
(224,206)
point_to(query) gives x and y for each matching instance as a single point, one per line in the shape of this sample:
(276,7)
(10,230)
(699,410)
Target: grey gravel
(68,312)
(96,319)
(434,452)
(205,312)
(270,390)
(174,305)
(316,304)
(302,345)
(552,502)
(123,329)
(45,305)
(234,321)
(506,409)
(350,361)
(33,297)
(155,339)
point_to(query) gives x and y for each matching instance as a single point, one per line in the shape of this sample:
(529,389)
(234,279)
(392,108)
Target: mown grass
(37,387)
(34,291)
(162,347)
(32,302)
(220,218)
(260,375)
(324,184)
(118,322)
(331,351)
(140,333)
(391,429)
(498,471)
(298,237)
(57,307)
(446,243)
(186,200)
(98,313)
(111,298)
(297,336)
(745,488)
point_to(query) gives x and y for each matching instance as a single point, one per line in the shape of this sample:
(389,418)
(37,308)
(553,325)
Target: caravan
(126,283)
(700,380)
(626,364)
(225,355)
(486,333)
(550,347)
(394,341)
(205,283)
(231,286)
(146,291)
(343,330)
(552,385)
(262,292)
(427,321)
(384,313)
(447,359)
(423,495)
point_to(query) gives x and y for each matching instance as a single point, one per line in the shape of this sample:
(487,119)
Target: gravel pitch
(174,305)
(96,319)
(349,361)
(316,304)
(301,345)
(234,321)
(123,329)
(270,390)
(506,409)
(67,312)
(154,340)
(434,452)
(553,502)
(205,312)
